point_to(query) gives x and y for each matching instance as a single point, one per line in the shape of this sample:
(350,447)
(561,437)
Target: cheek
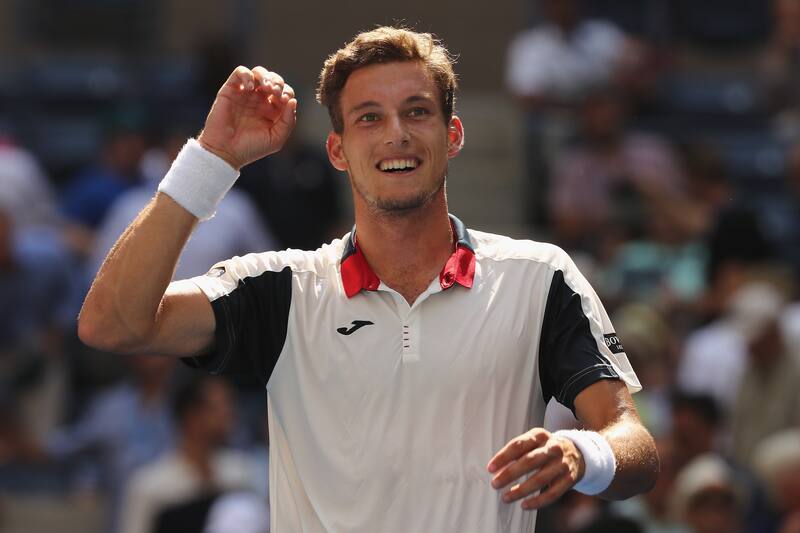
(357,151)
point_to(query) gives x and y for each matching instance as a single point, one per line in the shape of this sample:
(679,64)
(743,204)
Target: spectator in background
(707,497)
(556,62)
(665,267)
(35,279)
(36,293)
(698,429)
(197,468)
(549,69)
(737,247)
(776,460)
(296,191)
(768,398)
(35,283)
(123,428)
(779,63)
(25,193)
(779,209)
(696,426)
(91,193)
(707,193)
(242,512)
(715,356)
(597,189)
(236,228)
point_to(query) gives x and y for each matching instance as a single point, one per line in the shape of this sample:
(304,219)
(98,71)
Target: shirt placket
(411,336)
(411,321)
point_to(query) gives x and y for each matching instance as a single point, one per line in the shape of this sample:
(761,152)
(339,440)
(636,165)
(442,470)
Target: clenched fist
(252,116)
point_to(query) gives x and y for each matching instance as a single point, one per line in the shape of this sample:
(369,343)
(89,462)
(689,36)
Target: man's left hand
(554,465)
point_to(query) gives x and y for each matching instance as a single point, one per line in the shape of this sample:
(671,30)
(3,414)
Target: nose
(396,133)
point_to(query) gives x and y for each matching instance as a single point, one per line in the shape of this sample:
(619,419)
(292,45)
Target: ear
(335,153)
(455,137)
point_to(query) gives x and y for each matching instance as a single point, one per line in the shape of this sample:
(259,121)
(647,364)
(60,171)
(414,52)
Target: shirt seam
(562,394)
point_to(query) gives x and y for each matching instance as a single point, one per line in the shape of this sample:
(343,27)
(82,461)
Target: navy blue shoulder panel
(251,328)
(569,359)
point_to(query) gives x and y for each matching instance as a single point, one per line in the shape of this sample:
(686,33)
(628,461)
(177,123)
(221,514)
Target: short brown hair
(386,44)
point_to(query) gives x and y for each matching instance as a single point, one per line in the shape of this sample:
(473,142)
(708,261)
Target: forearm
(636,458)
(131,306)
(607,408)
(122,305)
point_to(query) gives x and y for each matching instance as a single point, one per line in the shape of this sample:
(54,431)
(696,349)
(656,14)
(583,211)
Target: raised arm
(131,306)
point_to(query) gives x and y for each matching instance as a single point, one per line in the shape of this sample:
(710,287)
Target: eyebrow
(363,105)
(372,103)
(419,98)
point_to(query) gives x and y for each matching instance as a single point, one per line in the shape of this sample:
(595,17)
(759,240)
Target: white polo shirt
(383,416)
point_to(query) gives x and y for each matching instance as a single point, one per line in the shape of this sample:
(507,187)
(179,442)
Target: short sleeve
(251,309)
(578,345)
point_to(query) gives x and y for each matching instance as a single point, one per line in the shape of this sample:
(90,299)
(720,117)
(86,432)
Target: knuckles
(241,70)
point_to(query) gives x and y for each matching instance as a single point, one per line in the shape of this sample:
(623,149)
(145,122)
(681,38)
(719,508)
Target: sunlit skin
(391,112)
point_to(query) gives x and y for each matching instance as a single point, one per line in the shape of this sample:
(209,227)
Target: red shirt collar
(459,268)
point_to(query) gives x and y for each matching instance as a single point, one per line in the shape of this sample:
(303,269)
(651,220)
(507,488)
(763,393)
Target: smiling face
(395,143)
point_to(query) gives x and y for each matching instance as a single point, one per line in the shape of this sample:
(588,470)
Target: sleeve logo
(613,343)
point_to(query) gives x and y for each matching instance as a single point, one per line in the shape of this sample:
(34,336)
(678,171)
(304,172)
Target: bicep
(185,322)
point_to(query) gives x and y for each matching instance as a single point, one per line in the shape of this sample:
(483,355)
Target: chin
(401,204)
(404,204)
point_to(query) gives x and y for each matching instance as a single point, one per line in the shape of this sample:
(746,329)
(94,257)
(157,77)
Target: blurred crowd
(92,442)
(662,145)
(663,151)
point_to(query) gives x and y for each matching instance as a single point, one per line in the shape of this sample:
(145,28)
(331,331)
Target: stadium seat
(722,22)
(710,95)
(646,18)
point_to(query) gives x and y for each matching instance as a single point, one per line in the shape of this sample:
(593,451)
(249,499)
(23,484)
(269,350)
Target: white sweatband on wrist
(601,465)
(198,180)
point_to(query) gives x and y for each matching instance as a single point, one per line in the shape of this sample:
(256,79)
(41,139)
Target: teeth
(398,164)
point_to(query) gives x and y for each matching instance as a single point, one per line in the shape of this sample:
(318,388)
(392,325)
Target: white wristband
(198,180)
(601,465)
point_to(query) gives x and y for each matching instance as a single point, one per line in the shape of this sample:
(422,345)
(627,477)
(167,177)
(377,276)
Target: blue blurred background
(658,141)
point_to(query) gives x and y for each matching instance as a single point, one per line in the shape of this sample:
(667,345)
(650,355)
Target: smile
(405,164)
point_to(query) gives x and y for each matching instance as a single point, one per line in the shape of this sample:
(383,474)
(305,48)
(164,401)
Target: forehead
(387,83)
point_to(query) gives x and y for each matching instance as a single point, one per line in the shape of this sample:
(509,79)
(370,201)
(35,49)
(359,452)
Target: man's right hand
(252,117)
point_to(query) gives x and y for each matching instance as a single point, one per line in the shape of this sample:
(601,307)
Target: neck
(406,250)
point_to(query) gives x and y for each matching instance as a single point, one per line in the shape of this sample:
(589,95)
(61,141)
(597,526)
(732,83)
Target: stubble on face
(394,206)
(379,100)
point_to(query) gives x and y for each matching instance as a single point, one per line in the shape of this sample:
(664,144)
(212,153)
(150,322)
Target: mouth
(398,165)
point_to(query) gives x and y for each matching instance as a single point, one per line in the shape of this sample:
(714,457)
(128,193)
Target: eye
(368,117)
(418,112)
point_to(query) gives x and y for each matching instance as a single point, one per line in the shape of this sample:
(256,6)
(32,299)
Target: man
(402,358)
(197,468)
(551,65)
